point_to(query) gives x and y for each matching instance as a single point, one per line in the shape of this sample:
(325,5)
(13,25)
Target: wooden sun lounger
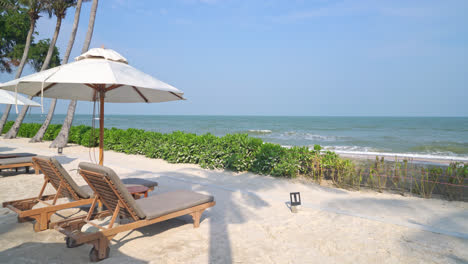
(16,155)
(65,186)
(146,211)
(18,162)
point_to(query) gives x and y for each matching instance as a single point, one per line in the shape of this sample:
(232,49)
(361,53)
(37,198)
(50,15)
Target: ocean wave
(307,136)
(366,151)
(259,131)
(351,148)
(319,137)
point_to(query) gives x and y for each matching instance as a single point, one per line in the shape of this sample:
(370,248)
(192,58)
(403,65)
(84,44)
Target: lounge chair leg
(42,221)
(100,250)
(196,218)
(37,225)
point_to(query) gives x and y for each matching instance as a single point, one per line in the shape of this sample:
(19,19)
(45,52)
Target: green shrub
(267,157)
(28,130)
(90,138)
(77,133)
(7,126)
(52,132)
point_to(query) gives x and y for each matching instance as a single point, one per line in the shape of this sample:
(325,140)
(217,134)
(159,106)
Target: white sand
(250,223)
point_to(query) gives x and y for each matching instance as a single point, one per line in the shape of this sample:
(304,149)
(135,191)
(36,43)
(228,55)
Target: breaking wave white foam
(366,151)
(259,131)
(306,136)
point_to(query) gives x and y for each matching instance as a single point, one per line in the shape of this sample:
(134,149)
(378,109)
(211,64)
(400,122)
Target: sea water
(424,137)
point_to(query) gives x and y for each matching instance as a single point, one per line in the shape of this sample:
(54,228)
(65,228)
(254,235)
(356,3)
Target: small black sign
(295,198)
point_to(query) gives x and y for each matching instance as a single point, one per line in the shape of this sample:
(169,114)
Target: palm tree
(59,9)
(62,138)
(34,8)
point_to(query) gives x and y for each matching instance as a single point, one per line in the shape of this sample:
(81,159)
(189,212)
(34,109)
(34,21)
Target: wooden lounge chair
(65,186)
(18,162)
(16,155)
(146,211)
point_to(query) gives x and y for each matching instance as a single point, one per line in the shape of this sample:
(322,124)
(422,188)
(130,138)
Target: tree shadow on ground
(2,149)
(64,159)
(35,252)
(59,253)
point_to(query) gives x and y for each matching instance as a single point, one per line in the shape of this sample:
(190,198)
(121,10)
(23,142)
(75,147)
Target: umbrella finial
(101,53)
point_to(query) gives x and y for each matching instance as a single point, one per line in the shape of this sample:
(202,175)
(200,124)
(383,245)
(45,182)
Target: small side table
(138,191)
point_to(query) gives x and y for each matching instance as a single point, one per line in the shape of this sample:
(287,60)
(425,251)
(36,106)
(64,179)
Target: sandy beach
(251,222)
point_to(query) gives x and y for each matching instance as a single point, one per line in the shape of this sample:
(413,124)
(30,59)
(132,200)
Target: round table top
(137,189)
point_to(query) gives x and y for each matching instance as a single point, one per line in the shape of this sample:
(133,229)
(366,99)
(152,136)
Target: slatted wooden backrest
(53,175)
(109,195)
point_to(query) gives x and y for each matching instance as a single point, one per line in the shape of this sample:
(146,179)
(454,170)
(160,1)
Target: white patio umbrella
(98,75)
(7,97)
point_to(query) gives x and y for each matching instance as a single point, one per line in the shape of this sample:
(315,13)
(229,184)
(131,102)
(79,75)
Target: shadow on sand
(34,252)
(64,159)
(6,149)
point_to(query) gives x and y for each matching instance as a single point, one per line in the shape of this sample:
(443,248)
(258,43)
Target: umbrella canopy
(98,75)
(7,97)
(124,84)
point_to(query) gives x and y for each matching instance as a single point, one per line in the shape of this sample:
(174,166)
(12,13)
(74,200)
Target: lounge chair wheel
(71,243)
(94,256)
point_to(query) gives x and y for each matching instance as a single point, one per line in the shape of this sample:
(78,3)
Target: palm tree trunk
(19,71)
(62,139)
(14,129)
(40,133)
(89,34)
(46,63)
(32,26)
(6,112)
(71,41)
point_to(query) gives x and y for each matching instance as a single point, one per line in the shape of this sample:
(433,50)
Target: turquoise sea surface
(424,137)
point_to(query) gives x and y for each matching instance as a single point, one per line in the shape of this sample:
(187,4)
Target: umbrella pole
(101,129)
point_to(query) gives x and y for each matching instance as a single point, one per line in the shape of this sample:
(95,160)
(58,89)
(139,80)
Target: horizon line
(253,115)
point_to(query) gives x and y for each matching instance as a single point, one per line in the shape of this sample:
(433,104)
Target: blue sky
(290,57)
